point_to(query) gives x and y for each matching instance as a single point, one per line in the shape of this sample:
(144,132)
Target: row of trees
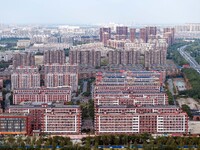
(145,141)
(172,53)
(194,50)
(34,143)
(88,110)
(194,79)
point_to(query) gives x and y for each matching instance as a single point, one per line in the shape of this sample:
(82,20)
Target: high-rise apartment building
(25,77)
(169,34)
(152,53)
(23,59)
(55,75)
(132,34)
(60,68)
(154,57)
(54,56)
(151,31)
(125,57)
(105,35)
(145,33)
(122,31)
(61,79)
(86,55)
(104,30)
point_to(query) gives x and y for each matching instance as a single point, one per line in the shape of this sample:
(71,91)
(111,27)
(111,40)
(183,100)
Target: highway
(189,58)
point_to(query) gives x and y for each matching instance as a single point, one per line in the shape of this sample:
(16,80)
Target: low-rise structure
(14,124)
(125,119)
(135,99)
(51,118)
(23,43)
(129,81)
(42,94)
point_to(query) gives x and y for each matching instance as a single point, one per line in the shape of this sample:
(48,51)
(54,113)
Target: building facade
(14,124)
(23,59)
(51,118)
(128,81)
(86,55)
(61,79)
(122,31)
(132,34)
(136,99)
(43,94)
(124,119)
(55,75)
(25,77)
(54,56)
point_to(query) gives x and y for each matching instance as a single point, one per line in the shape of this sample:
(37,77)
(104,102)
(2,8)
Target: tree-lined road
(189,58)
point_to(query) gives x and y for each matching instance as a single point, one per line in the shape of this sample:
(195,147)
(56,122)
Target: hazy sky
(100,11)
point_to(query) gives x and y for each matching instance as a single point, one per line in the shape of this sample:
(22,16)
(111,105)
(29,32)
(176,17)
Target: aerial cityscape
(115,74)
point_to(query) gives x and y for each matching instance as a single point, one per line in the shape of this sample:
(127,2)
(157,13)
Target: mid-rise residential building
(50,118)
(148,119)
(42,94)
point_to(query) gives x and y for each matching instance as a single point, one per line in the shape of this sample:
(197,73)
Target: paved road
(7,100)
(171,89)
(80,97)
(85,86)
(189,58)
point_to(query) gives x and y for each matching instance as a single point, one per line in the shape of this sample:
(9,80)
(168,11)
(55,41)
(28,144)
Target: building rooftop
(131,106)
(13,114)
(43,105)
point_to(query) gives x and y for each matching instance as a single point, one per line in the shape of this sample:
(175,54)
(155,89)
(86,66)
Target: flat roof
(131,106)
(39,105)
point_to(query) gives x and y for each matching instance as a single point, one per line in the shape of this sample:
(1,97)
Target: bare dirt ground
(190,102)
(194,127)
(38,60)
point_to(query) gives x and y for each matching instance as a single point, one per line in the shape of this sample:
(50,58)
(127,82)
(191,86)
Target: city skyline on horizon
(100,12)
